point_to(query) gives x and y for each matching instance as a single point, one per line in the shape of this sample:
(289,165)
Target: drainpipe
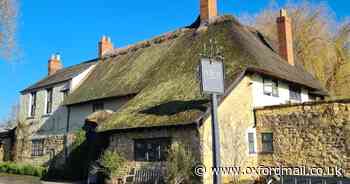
(66,135)
(254,114)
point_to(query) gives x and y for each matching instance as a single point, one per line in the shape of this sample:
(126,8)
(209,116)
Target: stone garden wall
(311,134)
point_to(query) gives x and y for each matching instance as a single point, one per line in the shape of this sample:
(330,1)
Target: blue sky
(73,28)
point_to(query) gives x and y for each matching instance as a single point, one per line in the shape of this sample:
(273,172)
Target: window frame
(264,148)
(65,93)
(293,89)
(154,144)
(311,97)
(37,148)
(98,106)
(271,83)
(32,104)
(253,141)
(49,100)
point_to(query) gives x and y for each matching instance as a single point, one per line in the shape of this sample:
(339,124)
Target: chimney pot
(283,12)
(54,64)
(104,46)
(285,37)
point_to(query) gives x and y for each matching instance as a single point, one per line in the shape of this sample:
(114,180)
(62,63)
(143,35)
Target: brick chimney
(54,64)
(104,46)
(208,10)
(285,37)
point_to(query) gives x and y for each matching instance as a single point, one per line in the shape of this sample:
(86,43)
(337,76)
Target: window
(32,104)
(37,147)
(251,142)
(294,93)
(97,106)
(267,142)
(151,150)
(312,97)
(270,87)
(65,93)
(48,101)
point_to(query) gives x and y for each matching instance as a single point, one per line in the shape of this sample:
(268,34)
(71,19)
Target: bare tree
(8,27)
(321,43)
(12,118)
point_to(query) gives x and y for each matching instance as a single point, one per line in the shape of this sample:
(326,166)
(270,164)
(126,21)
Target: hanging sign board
(212,76)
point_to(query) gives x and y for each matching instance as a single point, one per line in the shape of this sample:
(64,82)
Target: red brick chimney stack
(104,46)
(208,10)
(285,37)
(54,64)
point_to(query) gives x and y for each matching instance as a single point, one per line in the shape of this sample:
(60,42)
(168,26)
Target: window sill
(31,117)
(150,161)
(271,95)
(46,115)
(266,152)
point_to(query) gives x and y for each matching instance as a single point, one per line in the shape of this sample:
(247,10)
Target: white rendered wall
(43,124)
(79,112)
(260,99)
(76,81)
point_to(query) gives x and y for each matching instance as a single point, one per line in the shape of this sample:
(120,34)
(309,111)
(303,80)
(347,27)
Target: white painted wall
(56,122)
(81,111)
(260,99)
(76,81)
(43,122)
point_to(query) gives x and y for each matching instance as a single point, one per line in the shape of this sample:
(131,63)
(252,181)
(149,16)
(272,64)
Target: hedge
(22,169)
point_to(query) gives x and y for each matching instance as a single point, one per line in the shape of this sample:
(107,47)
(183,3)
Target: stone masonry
(312,134)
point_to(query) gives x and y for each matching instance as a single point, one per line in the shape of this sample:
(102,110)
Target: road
(14,179)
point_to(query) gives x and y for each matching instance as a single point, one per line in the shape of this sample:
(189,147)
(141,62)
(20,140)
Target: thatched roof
(163,75)
(62,75)
(98,117)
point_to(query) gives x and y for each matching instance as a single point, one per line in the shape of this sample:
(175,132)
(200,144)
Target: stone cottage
(153,93)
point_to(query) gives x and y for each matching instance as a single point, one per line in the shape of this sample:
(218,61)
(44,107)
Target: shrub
(22,169)
(180,164)
(113,163)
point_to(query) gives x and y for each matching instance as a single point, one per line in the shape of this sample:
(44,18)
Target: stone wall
(53,150)
(123,142)
(312,134)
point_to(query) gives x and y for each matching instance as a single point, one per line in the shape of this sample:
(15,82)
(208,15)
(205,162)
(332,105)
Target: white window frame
(30,104)
(29,113)
(269,82)
(46,97)
(251,130)
(290,87)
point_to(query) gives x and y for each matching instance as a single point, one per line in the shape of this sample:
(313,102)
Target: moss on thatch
(164,75)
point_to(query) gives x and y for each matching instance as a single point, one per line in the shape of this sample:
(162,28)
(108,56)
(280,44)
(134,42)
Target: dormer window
(294,93)
(32,105)
(49,100)
(270,87)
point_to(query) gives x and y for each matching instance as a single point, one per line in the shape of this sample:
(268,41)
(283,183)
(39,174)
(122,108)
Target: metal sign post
(212,82)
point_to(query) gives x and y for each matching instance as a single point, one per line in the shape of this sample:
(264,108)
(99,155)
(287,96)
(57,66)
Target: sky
(73,28)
